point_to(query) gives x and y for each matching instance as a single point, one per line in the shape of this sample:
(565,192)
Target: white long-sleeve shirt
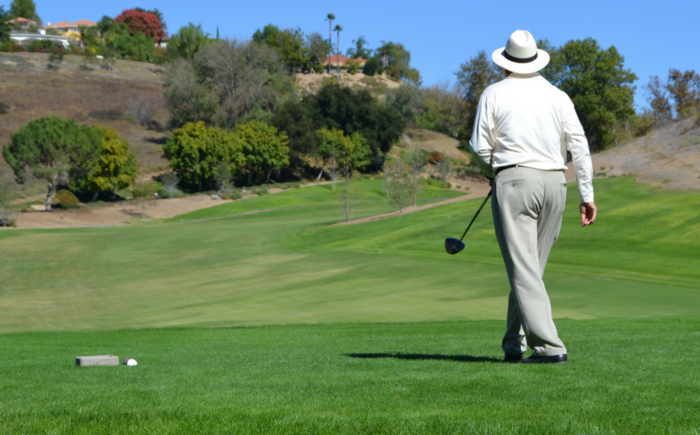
(519,121)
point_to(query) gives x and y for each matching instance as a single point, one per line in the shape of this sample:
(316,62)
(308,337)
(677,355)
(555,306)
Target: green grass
(388,346)
(289,266)
(636,376)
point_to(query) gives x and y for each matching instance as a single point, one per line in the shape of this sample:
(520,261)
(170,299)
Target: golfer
(523,129)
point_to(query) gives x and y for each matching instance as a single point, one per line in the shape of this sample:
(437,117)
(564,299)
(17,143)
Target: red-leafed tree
(141,22)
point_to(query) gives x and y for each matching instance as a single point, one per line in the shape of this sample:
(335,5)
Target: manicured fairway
(632,376)
(288,266)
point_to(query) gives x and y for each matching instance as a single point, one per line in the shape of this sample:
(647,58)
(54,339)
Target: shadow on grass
(421,356)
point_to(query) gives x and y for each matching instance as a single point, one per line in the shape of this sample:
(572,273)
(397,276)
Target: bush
(288,185)
(370,67)
(233,195)
(434,157)
(437,183)
(164,192)
(145,190)
(353,66)
(317,68)
(66,199)
(12,48)
(263,190)
(41,46)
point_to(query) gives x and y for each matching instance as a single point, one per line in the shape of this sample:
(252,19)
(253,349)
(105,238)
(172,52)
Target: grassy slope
(288,267)
(637,376)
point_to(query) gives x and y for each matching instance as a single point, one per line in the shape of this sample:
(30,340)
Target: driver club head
(453,246)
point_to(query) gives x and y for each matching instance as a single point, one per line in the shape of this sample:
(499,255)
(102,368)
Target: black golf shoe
(513,357)
(552,359)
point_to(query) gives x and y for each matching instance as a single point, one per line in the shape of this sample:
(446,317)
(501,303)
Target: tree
(474,76)
(396,60)
(186,98)
(158,15)
(398,183)
(405,100)
(598,84)
(415,159)
(360,51)
(52,149)
(338,28)
(187,42)
(684,87)
(288,43)
(224,177)
(265,150)
(318,47)
(351,111)
(370,67)
(195,151)
(5,28)
(658,99)
(446,103)
(344,153)
(299,121)
(114,169)
(330,18)
(248,78)
(170,180)
(145,23)
(24,9)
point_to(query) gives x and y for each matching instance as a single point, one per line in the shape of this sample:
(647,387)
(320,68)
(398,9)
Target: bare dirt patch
(377,85)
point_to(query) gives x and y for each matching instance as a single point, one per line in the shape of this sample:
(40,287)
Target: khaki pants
(528,205)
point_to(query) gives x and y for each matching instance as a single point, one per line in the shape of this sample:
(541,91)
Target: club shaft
(477,214)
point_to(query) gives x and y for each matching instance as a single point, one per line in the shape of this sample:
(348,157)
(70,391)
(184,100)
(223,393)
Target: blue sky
(653,36)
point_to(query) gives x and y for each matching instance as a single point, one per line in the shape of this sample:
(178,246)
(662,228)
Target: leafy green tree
(288,43)
(114,169)
(396,60)
(195,151)
(299,121)
(406,100)
(24,9)
(684,87)
(187,42)
(186,97)
(357,111)
(53,149)
(598,84)
(318,48)
(446,104)
(7,194)
(265,150)
(4,27)
(360,51)
(370,67)
(344,154)
(474,76)
(658,99)
(398,183)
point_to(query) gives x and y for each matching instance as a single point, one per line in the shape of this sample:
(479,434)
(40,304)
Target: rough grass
(633,376)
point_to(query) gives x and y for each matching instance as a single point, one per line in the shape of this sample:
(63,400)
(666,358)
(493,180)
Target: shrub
(317,68)
(145,190)
(437,183)
(67,199)
(370,67)
(12,48)
(353,66)
(232,195)
(263,190)
(41,46)
(434,157)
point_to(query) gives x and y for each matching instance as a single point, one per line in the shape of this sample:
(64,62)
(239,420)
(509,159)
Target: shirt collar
(524,76)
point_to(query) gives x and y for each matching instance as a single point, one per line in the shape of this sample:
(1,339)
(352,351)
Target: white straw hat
(521,55)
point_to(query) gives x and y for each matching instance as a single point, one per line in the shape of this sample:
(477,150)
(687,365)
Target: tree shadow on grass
(422,356)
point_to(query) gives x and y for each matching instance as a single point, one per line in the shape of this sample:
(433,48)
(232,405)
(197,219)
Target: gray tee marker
(99,360)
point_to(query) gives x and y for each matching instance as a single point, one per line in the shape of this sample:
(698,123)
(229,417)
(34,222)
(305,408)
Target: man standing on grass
(523,128)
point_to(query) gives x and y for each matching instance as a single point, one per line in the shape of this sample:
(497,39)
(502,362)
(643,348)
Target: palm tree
(330,19)
(338,28)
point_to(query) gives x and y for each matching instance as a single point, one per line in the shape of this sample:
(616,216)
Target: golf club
(452,245)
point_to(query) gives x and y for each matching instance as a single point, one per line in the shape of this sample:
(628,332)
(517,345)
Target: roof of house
(65,24)
(343,60)
(21,20)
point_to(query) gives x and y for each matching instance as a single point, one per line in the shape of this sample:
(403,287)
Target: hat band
(518,59)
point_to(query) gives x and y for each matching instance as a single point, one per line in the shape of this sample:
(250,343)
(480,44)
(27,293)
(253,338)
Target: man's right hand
(588,213)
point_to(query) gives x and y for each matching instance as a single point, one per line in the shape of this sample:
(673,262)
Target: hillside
(28,90)
(377,85)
